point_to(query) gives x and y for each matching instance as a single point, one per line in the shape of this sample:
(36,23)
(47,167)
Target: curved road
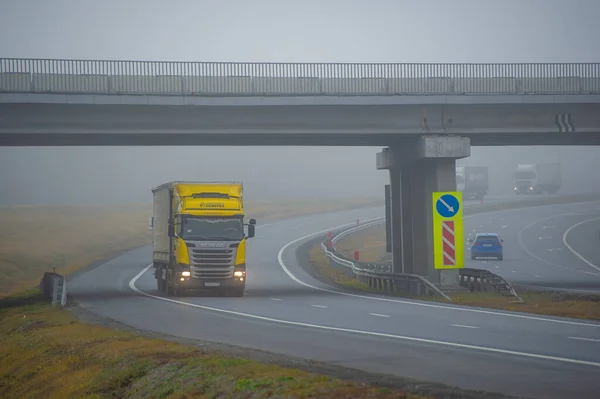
(554,247)
(288,312)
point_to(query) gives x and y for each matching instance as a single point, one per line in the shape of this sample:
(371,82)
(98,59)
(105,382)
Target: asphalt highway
(553,247)
(288,312)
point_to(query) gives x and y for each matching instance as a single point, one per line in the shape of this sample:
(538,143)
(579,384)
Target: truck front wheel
(236,292)
(161,283)
(172,290)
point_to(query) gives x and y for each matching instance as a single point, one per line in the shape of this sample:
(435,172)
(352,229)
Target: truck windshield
(524,175)
(216,229)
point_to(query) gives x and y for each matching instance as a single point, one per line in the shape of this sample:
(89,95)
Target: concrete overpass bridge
(78,102)
(428,115)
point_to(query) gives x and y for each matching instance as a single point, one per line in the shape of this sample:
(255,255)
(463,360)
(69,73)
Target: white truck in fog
(537,178)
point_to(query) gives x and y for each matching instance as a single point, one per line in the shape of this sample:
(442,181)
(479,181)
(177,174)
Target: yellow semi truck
(199,242)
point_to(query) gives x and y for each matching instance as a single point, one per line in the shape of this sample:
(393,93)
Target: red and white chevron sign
(448,246)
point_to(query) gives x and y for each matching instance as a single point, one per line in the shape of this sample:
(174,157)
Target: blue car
(487,245)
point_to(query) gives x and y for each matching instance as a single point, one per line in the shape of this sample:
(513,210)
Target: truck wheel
(236,292)
(172,290)
(160,282)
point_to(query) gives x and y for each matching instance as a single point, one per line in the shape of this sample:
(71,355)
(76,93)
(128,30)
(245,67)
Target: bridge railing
(310,79)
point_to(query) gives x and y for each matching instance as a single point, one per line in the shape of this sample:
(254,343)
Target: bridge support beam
(416,171)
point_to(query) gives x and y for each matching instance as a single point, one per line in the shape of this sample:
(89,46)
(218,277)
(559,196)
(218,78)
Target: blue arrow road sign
(447,205)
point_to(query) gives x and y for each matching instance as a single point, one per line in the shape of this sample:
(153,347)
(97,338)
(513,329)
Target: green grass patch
(46,353)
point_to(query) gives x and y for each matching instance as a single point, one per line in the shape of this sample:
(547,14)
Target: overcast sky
(287,31)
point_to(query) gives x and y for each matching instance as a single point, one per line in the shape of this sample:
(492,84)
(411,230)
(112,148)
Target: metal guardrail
(483,280)
(18,75)
(379,276)
(54,287)
(486,281)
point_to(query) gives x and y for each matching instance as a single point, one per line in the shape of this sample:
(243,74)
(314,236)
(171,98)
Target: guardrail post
(419,289)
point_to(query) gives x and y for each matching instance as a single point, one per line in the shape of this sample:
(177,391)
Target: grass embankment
(551,304)
(46,353)
(35,239)
(370,243)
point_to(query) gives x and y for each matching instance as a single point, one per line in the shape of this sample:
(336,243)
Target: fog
(281,31)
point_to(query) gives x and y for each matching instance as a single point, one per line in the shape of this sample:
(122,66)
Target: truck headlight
(239,273)
(186,274)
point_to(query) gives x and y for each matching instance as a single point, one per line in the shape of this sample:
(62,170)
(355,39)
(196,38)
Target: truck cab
(203,243)
(537,178)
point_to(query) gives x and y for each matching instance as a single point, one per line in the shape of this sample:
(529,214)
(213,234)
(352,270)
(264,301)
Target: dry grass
(550,304)
(46,353)
(37,239)
(370,243)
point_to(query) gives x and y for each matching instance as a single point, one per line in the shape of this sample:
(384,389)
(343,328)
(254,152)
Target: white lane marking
(528,252)
(585,339)
(554,249)
(275,299)
(497,267)
(545,238)
(547,227)
(514,271)
(535,275)
(379,315)
(358,332)
(564,238)
(462,326)
(503,227)
(415,303)
(319,306)
(592,273)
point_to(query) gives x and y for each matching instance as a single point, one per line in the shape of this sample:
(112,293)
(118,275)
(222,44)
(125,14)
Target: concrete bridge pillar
(417,169)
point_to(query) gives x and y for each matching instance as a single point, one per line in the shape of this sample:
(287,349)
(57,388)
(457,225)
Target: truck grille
(212,263)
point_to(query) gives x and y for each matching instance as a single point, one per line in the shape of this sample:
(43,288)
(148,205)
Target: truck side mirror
(251,231)
(171,230)
(150,222)
(252,221)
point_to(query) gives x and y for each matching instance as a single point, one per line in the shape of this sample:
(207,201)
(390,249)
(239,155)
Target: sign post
(448,235)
